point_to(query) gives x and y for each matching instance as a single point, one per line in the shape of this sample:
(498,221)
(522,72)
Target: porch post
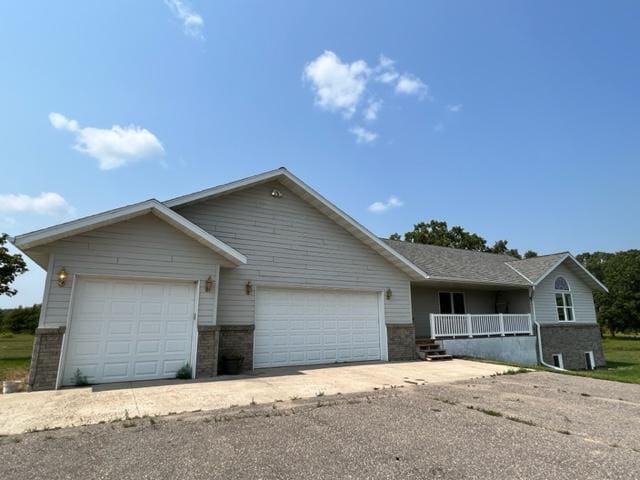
(501,325)
(432,326)
(469,328)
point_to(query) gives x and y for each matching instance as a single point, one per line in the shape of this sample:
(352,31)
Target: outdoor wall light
(275,193)
(208,284)
(248,288)
(62,277)
(389,294)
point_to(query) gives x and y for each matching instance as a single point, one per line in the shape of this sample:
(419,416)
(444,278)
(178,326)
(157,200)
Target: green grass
(623,360)
(15,355)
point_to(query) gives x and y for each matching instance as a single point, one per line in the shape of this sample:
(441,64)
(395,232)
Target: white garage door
(302,327)
(125,330)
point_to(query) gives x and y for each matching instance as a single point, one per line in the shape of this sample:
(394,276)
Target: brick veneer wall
(401,341)
(45,358)
(237,341)
(207,355)
(572,340)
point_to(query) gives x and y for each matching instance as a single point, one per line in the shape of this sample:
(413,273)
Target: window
(564,301)
(557,360)
(452,302)
(590,361)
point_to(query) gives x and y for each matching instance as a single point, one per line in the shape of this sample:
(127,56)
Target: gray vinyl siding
(545,301)
(290,243)
(141,247)
(425,301)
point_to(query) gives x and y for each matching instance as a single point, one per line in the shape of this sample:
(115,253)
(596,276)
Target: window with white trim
(564,301)
(558,360)
(452,302)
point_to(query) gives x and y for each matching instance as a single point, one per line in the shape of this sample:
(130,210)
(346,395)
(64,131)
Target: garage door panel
(177,327)
(133,336)
(116,327)
(151,308)
(304,326)
(150,327)
(116,370)
(118,348)
(175,346)
(146,368)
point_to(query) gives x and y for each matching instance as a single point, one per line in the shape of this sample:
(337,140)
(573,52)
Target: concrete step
(427,356)
(434,358)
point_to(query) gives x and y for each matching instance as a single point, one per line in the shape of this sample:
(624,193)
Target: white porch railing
(480,325)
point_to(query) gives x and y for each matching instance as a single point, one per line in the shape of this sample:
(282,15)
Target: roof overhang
(477,284)
(588,277)
(308,194)
(57,232)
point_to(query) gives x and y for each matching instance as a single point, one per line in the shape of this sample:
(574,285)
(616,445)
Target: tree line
(20,320)
(437,232)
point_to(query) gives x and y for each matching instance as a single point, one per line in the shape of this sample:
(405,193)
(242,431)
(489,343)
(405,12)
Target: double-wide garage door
(124,330)
(303,326)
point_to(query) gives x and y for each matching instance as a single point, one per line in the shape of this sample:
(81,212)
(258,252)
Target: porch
(473,322)
(455,311)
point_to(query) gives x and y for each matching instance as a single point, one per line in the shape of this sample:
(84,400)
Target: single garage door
(302,327)
(124,330)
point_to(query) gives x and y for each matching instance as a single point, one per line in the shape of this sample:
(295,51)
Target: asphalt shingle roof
(534,268)
(453,263)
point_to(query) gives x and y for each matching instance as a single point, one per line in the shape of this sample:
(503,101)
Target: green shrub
(184,373)
(80,380)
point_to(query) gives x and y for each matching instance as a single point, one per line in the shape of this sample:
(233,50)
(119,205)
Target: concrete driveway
(533,426)
(21,412)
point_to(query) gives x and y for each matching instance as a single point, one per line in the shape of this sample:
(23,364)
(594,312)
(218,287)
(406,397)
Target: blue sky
(516,120)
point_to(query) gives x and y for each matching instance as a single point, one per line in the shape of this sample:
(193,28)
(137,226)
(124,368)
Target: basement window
(452,302)
(557,360)
(589,360)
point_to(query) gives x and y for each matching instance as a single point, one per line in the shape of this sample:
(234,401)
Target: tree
(500,246)
(618,310)
(10,267)
(530,254)
(437,232)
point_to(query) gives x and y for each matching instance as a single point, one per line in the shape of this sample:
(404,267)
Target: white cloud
(192,22)
(363,135)
(455,108)
(47,203)
(386,72)
(409,84)
(371,110)
(380,207)
(338,86)
(112,147)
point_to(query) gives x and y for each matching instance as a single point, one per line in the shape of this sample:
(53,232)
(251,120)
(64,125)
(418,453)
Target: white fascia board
(75,227)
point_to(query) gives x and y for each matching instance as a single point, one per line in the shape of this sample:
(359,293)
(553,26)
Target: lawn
(15,355)
(623,360)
